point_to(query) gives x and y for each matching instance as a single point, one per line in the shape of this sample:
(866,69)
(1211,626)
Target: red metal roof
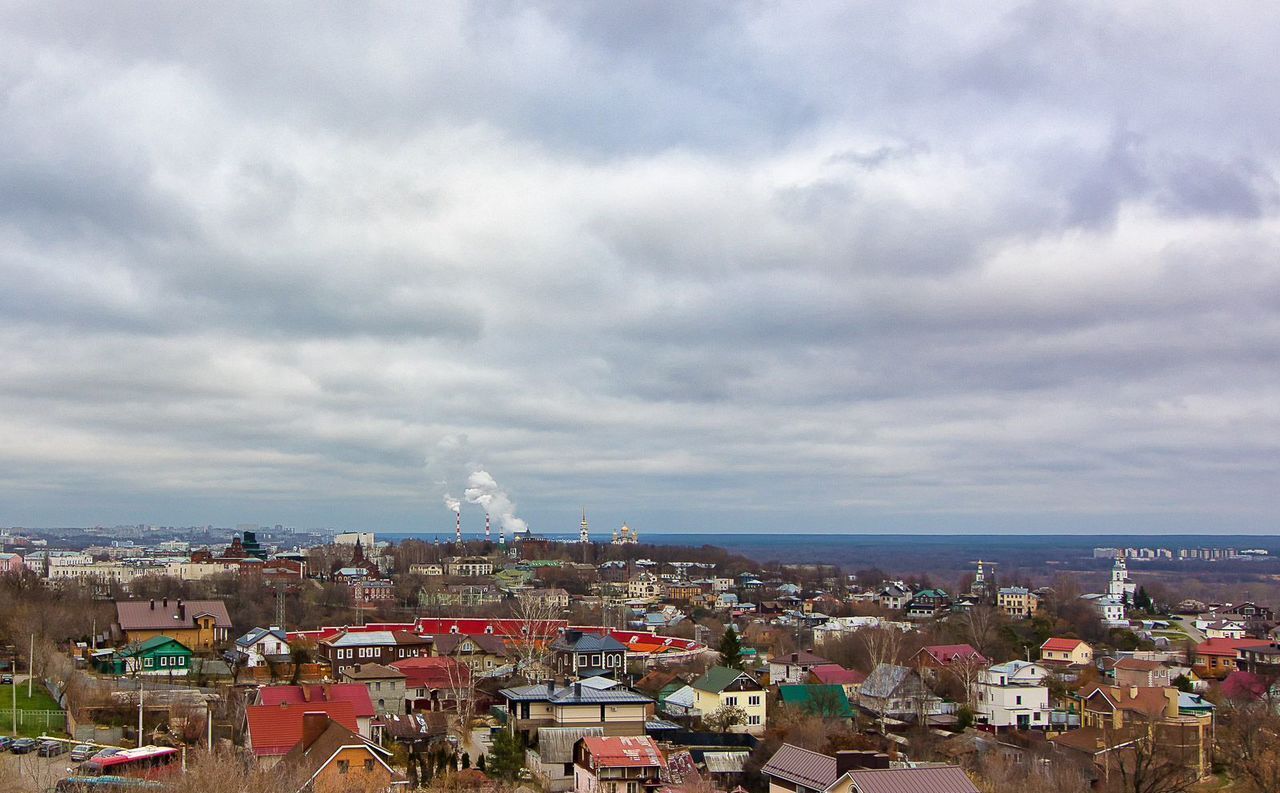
(835,674)
(275,729)
(802,767)
(1060,645)
(950,653)
(1227,647)
(937,779)
(433,672)
(355,693)
(625,752)
(168,613)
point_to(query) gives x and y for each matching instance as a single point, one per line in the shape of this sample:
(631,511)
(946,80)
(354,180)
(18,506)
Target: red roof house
(941,656)
(836,675)
(1217,657)
(275,729)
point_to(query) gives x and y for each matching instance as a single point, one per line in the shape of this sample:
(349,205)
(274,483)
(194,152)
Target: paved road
(1188,624)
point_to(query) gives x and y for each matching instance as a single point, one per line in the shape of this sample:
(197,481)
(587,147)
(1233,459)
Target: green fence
(33,722)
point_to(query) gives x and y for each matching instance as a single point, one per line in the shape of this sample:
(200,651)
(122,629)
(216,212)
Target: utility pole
(139,706)
(31,665)
(15,693)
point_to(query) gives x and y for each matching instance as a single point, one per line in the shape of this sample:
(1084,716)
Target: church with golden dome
(626,536)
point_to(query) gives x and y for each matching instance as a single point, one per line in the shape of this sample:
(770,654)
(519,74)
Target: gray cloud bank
(745,266)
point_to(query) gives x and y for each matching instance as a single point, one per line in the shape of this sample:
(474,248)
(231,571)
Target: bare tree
(883,644)
(538,619)
(1249,742)
(1148,757)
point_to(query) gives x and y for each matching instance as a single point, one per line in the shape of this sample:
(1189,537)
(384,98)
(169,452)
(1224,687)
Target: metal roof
(555,744)
(574,695)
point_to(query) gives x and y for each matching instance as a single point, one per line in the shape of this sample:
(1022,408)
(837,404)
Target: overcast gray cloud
(815,266)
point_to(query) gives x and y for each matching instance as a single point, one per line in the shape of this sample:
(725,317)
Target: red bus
(145,762)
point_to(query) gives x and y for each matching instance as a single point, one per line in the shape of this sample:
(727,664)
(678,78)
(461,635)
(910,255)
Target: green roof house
(827,701)
(159,655)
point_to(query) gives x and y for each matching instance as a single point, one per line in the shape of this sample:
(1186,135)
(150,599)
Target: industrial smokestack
(486,527)
(457,529)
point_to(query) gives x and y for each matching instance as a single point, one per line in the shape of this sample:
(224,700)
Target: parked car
(23,746)
(5,742)
(6,680)
(107,752)
(81,753)
(51,749)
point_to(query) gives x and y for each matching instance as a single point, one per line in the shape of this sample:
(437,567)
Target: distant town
(606,663)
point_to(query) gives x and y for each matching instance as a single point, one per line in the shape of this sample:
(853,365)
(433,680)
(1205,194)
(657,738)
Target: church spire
(584,534)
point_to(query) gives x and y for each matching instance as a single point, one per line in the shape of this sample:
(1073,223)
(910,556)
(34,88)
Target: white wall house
(1012,695)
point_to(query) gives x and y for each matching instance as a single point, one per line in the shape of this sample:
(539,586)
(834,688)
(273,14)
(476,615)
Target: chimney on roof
(153,604)
(850,759)
(357,667)
(328,692)
(551,686)
(313,726)
(306,693)
(1133,692)
(166,602)
(182,610)
(577,689)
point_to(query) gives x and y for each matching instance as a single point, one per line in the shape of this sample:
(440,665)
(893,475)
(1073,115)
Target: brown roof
(802,767)
(1092,740)
(1150,701)
(310,759)
(158,615)
(1137,665)
(937,779)
(447,643)
(372,672)
(802,658)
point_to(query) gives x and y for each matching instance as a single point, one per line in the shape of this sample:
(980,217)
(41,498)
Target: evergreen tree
(730,649)
(508,756)
(466,760)
(1142,601)
(480,763)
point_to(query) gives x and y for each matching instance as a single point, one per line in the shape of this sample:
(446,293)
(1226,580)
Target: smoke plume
(482,489)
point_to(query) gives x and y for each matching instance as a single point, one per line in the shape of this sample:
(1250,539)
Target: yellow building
(723,687)
(202,625)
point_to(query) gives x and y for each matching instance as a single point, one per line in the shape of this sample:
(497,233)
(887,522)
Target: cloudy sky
(752,266)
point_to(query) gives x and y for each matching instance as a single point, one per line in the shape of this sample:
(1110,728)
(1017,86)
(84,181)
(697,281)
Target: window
(368,766)
(1017,700)
(731,701)
(753,720)
(164,660)
(344,766)
(378,685)
(754,699)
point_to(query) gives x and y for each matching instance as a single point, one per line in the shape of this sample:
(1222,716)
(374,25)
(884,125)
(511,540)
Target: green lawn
(29,725)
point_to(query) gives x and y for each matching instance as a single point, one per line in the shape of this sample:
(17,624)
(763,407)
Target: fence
(31,722)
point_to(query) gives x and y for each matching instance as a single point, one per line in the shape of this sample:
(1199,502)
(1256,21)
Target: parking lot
(30,772)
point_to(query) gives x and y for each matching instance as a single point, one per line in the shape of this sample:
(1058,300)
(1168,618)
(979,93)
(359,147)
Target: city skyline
(721,268)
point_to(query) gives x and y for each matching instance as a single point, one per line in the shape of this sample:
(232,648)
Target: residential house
(1141,672)
(485,654)
(1066,652)
(1263,660)
(722,687)
(201,625)
(644,586)
(431,570)
(825,701)
(927,604)
(1111,716)
(1012,695)
(471,595)
(11,563)
(1217,658)
(260,646)
(550,759)
(793,667)
(681,592)
(618,710)
(948,656)
(625,764)
(329,756)
(1223,629)
(1018,602)
(468,567)
(385,685)
(894,597)
(792,769)
(897,692)
(271,731)
(553,598)
(837,675)
(577,652)
(434,683)
(305,697)
(348,648)
(158,656)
